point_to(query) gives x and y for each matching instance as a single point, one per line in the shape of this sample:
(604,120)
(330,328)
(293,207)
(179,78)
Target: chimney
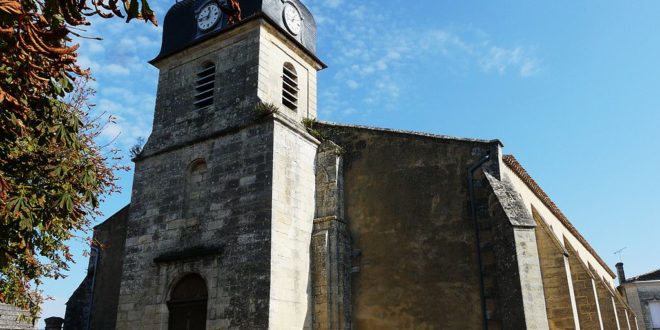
(621,273)
(54,323)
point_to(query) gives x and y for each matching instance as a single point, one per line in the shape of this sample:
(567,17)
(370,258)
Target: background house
(643,295)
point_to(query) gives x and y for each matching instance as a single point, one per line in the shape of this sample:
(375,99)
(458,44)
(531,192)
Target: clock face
(208,16)
(292,19)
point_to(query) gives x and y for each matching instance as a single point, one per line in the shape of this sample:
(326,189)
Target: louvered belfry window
(204,86)
(290,87)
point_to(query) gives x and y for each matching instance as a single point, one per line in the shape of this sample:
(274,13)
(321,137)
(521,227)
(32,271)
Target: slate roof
(180,29)
(651,276)
(409,133)
(512,163)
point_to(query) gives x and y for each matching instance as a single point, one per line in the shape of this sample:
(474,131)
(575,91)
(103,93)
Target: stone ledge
(328,219)
(191,253)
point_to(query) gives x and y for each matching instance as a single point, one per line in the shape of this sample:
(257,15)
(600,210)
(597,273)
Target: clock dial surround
(208,16)
(292,19)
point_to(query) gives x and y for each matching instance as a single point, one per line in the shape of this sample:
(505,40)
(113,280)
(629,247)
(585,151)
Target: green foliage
(310,125)
(309,122)
(137,148)
(264,109)
(53,175)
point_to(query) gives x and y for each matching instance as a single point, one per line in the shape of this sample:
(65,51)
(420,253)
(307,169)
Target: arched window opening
(196,179)
(290,86)
(196,187)
(188,303)
(204,86)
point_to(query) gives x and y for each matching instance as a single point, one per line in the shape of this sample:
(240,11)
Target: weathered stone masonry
(235,224)
(10,318)
(412,240)
(331,249)
(101,299)
(640,292)
(520,295)
(586,294)
(557,281)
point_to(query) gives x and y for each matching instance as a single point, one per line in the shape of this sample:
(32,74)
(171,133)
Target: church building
(247,212)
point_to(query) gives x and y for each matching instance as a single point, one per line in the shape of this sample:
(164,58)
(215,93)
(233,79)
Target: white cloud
(87,63)
(349,111)
(115,70)
(333,3)
(352,84)
(111,132)
(125,82)
(127,96)
(373,53)
(94,47)
(358,12)
(500,60)
(529,68)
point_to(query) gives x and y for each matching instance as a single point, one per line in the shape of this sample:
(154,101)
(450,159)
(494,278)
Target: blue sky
(572,88)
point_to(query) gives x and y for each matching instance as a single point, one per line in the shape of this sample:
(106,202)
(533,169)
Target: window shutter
(290,87)
(204,86)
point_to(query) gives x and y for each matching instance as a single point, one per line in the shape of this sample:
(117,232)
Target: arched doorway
(187,304)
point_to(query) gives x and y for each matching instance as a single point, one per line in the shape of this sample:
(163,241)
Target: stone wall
(10,318)
(293,178)
(226,241)
(557,284)
(647,294)
(638,295)
(109,237)
(520,291)
(414,251)
(586,295)
(331,248)
(236,58)
(274,51)
(78,306)
(622,314)
(607,306)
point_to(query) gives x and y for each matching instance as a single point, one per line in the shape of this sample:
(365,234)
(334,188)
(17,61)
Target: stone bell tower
(222,206)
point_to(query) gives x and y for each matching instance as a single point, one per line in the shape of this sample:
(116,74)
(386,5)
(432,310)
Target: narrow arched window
(196,187)
(290,86)
(205,85)
(196,179)
(188,303)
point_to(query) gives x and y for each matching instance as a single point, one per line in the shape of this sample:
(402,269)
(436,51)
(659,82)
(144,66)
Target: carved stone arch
(187,303)
(196,164)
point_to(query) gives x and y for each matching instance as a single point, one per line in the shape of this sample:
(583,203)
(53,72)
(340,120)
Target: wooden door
(188,303)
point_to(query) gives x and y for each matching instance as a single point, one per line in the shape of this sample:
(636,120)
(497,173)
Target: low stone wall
(9,316)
